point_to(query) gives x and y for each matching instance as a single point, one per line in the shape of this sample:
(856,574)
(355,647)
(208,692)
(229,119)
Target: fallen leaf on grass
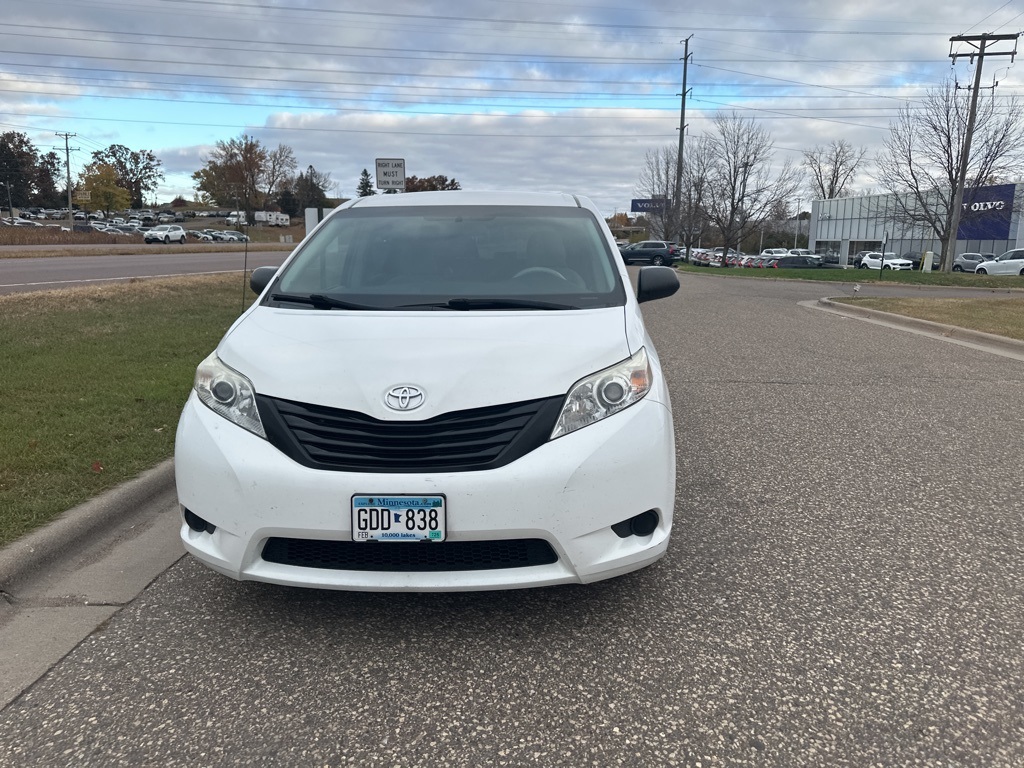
(97,467)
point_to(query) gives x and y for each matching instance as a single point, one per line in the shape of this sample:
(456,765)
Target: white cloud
(530,94)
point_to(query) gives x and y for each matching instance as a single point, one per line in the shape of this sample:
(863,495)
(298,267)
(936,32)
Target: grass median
(93,381)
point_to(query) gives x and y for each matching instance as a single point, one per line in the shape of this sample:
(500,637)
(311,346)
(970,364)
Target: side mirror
(260,278)
(656,283)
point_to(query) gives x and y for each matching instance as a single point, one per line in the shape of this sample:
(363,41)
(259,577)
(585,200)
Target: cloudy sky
(522,94)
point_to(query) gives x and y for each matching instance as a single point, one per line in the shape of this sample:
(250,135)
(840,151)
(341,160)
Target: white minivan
(436,391)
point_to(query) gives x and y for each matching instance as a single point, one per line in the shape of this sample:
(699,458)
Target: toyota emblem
(404,398)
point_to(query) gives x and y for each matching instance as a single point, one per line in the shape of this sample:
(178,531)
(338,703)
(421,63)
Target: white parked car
(876,260)
(165,233)
(439,391)
(1010,263)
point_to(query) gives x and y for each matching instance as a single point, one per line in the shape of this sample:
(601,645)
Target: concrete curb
(83,525)
(1011,347)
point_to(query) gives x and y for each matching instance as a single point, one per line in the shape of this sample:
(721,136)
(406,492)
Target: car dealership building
(839,228)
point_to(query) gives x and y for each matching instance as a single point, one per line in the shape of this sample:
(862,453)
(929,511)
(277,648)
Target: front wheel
(957,268)
(862,266)
(886,267)
(980,271)
(167,240)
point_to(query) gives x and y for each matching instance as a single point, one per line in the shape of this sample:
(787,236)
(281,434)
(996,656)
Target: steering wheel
(540,270)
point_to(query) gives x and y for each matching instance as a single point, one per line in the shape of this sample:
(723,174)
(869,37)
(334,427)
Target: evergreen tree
(365,188)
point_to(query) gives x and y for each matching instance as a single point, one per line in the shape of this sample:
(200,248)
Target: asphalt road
(843,588)
(41,274)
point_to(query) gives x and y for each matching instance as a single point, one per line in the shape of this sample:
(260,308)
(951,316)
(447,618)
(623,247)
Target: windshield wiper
(320,301)
(467,304)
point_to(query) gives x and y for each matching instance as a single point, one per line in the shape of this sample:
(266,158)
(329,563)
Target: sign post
(391,173)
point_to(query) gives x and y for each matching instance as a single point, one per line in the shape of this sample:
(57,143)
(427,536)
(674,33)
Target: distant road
(44,274)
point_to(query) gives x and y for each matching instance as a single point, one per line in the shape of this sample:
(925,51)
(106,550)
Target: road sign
(391,173)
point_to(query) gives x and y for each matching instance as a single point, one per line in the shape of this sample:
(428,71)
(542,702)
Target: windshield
(452,258)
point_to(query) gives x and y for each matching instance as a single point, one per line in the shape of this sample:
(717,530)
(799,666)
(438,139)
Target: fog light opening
(196,523)
(643,524)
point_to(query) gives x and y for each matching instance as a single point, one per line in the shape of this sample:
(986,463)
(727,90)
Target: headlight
(227,392)
(604,393)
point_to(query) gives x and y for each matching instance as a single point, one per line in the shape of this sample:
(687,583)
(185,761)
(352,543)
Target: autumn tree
(365,188)
(233,174)
(138,172)
(430,184)
(920,163)
(105,193)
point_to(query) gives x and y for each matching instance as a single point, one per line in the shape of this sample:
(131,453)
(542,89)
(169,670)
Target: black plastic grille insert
(409,556)
(335,439)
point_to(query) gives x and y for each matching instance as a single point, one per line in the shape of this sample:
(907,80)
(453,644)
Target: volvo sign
(651,205)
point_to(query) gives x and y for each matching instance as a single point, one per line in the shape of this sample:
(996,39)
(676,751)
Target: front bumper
(569,492)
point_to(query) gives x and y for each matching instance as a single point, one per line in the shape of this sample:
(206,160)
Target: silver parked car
(968,262)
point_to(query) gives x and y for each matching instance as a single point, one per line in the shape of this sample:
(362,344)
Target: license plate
(398,518)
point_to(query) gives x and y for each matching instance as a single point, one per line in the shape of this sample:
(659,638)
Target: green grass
(93,382)
(864,276)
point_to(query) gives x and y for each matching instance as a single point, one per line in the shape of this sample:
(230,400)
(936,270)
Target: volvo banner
(655,205)
(986,213)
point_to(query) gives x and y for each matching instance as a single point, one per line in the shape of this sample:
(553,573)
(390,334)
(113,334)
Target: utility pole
(67,162)
(678,204)
(980,42)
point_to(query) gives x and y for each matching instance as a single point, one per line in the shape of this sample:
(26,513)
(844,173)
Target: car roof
(466,197)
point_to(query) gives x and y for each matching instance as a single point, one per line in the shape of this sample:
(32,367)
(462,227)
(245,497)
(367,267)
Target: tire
(862,266)
(957,268)
(980,272)
(886,267)
(658,261)
(167,240)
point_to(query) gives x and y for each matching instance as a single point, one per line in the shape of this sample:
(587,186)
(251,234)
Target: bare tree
(742,185)
(280,165)
(698,161)
(657,182)
(920,162)
(833,167)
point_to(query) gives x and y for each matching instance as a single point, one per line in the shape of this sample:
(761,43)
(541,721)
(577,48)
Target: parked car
(776,252)
(656,252)
(200,235)
(859,256)
(294,466)
(165,233)
(1010,263)
(235,236)
(968,262)
(888,260)
(797,262)
(916,257)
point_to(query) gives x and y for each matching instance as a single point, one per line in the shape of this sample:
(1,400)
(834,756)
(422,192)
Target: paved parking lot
(843,588)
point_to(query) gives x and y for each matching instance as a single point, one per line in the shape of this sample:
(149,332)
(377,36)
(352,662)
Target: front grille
(409,556)
(334,439)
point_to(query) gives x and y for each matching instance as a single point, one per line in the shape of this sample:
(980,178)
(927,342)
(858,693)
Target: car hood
(460,360)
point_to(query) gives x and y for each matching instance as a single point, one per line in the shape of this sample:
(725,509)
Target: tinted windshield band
(419,255)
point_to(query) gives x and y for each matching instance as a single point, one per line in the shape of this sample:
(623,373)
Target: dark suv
(656,252)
